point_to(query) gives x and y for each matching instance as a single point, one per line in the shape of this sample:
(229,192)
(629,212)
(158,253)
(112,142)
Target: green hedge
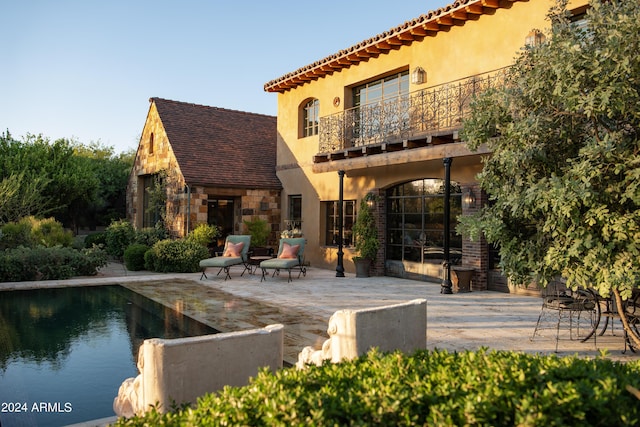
(175,256)
(57,263)
(438,388)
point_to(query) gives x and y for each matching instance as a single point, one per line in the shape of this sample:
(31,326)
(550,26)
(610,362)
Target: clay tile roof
(220,147)
(415,29)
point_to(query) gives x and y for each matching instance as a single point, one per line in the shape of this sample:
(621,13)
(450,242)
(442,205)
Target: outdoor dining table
(609,310)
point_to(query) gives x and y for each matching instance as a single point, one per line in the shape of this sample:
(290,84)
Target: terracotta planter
(461,278)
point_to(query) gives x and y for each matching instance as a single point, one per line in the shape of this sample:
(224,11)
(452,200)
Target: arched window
(310,118)
(151,143)
(415,221)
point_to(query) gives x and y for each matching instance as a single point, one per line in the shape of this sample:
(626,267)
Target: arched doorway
(415,228)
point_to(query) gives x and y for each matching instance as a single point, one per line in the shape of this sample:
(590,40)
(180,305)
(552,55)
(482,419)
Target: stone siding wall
(188,207)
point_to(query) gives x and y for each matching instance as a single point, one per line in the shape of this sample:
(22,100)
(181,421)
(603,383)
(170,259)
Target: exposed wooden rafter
(493,4)
(475,9)
(395,42)
(445,20)
(459,14)
(431,26)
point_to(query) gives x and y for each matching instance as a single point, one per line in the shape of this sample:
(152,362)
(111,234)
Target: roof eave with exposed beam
(428,24)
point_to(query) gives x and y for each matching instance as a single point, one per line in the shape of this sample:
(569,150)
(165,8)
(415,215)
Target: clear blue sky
(86,69)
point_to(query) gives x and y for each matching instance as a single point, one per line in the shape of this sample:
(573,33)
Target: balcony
(426,117)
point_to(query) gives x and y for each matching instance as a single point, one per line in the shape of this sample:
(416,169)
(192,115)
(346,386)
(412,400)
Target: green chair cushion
(279,263)
(220,261)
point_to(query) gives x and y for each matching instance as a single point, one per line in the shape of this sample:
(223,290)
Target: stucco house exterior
(220,168)
(387,112)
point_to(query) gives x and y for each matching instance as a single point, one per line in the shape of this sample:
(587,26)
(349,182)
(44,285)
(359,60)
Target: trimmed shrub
(204,234)
(134,256)
(150,260)
(438,388)
(119,235)
(175,256)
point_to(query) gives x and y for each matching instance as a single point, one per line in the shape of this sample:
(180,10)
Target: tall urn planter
(365,235)
(362,266)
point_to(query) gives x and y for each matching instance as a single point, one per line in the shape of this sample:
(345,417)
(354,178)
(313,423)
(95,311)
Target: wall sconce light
(418,76)
(534,38)
(469,198)
(370,199)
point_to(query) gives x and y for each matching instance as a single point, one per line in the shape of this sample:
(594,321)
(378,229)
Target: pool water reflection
(64,352)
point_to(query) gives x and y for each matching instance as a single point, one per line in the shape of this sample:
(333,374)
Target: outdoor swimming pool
(64,352)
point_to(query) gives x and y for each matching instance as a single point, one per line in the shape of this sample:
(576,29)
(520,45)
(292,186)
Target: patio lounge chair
(236,248)
(290,256)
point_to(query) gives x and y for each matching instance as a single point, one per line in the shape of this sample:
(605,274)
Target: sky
(85,70)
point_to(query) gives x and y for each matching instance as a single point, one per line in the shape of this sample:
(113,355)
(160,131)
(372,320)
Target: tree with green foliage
(563,179)
(112,171)
(80,185)
(22,197)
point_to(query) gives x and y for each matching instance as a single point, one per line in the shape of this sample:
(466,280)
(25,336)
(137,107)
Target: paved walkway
(454,322)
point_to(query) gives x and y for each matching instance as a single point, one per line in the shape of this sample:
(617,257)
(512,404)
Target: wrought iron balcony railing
(428,111)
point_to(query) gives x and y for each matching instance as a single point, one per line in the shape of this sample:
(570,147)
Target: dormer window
(310,118)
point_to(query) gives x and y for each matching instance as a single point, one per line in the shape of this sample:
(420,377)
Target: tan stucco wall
(488,43)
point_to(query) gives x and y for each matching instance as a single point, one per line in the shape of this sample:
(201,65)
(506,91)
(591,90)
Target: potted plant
(365,234)
(259,231)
